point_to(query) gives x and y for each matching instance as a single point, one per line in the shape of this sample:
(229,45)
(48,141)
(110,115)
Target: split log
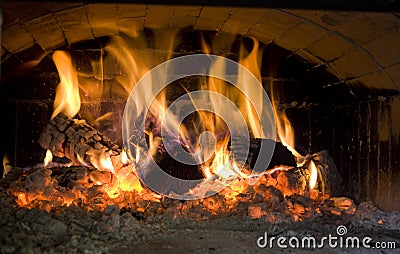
(81,143)
(289,181)
(280,154)
(329,180)
(84,145)
(290,178)
(296,180)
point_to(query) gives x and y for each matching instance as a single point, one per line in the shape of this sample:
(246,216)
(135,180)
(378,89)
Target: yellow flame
(106,116)
(314,174)
(284,128)
(101,160)
(124,157)
(125,181)
(221,164)
(67,98)
(252,62)
(136,61)
(6,165)
(106,163)
(48,158)
(207,172)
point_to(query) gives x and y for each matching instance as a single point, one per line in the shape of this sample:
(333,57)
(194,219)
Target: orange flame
(285,129)
(67,98)
(125,181)
(252,62)
(221,164)
(136,62)
(101,160)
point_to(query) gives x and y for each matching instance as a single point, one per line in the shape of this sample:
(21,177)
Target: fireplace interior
(333,73)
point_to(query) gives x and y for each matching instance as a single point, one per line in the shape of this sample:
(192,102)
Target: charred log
(81,143)
(84,145)
(281,156)
(290,181)
(297,180)
(177,169)
(262,148)
(329,180)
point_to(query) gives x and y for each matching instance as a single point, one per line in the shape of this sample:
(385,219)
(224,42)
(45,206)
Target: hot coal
(132,223)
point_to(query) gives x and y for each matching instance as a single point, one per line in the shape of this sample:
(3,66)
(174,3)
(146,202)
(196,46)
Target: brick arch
(356,47)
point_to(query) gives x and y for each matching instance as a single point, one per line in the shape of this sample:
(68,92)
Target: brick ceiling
(358,47)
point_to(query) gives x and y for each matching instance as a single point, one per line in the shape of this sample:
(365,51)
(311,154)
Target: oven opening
(133,126)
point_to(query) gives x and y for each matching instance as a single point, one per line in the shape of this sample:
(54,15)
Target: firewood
(81,143)
(329,180)
(177,169)
(84,145)
(292,178)
(280,154)
(296,180)
(289,181)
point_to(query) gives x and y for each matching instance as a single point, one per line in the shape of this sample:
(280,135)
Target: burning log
(318,172)
(281,155)
(282,172)
(329,180)
(289,181)
(177,169)
(81,143)
(84,145)
(293,175)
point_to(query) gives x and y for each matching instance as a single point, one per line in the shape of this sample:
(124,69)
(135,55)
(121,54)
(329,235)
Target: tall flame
(285,129)
(67,98)
(252,61)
